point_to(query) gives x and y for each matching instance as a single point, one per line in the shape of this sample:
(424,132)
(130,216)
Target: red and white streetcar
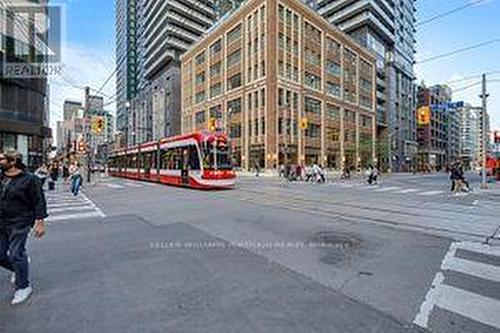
(200,160)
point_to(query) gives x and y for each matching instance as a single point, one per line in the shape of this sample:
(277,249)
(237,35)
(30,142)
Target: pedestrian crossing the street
(63,206)
(467,285)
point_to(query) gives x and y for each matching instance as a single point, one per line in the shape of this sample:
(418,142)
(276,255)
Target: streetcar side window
(173,158)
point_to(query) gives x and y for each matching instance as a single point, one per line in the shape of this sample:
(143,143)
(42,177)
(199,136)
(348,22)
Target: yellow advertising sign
(424,116)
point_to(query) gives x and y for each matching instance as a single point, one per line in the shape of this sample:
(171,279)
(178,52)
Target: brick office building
(286,85)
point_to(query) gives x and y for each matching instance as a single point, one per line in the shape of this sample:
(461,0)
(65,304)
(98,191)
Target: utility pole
(484,138)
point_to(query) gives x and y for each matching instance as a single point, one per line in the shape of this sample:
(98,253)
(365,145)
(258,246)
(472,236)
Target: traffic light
(497,137)
(99,124)
(303,123)
(424,116)
(212,126)
(81,146)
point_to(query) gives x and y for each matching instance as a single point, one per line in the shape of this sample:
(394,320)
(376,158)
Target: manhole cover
(337,247)
(337,240)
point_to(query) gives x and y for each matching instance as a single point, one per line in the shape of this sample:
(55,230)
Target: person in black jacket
(22,208)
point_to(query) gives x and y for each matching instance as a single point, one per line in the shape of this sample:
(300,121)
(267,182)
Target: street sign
(424,116)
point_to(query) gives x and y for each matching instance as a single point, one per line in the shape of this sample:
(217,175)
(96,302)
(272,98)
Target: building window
(295,49)
(333,112)
(235,131)
(332,68)
(200,78)
(350,57)
(234,106)
(312,105)
(366,121)
(200,97)
(215,90)
(312,57)
(366,102)
(216,47)
(281,69)
(281,98)
(350,116)
(262,98)
(215,69)
(332,89)
(333,47)
(216,112)
(200,59)
(234,82)
(281,39)
(263,68)
(233,34)
(312,81)
(349,95)
(200,117)
(312,33)
(313,130)
(366,85)
(234,58)
(281,11)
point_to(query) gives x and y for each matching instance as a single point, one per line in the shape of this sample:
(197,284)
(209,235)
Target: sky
(89,56)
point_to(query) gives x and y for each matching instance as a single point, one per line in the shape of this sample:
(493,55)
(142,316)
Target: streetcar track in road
(346,217)
(418,204)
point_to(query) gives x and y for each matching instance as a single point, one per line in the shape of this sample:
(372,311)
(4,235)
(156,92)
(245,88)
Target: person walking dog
(22,208)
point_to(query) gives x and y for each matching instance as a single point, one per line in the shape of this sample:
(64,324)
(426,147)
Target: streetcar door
(185,167)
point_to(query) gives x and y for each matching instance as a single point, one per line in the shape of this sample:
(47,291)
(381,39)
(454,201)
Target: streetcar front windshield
(217,155)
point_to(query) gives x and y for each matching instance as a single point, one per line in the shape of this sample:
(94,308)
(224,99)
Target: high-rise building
(24,110)
(388,29)
(163,30)
(287,86)
(127,79)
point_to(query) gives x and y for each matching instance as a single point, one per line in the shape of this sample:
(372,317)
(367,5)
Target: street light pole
(484,137)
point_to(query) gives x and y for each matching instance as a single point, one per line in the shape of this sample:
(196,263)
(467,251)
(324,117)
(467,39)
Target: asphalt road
(267,256)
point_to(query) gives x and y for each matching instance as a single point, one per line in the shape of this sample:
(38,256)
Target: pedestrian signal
(424,115)
(303,123)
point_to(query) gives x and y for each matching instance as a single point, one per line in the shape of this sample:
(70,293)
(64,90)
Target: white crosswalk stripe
(63,206)
(363,186)
(474,306)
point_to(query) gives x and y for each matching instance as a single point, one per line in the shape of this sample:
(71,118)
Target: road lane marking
(429,193)
(70,208)
(462,302)
(114,185)
(385,189)
(409,190)
(73,216)
(478,269)
(478,247)
(422,318)
(479,308)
